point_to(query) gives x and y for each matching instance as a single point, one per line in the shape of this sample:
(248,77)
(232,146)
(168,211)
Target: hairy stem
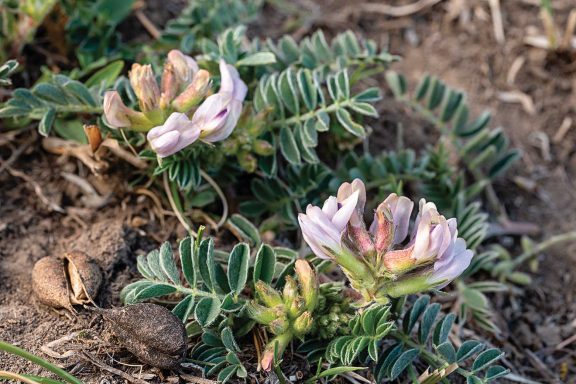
(301,118)
(174,200)
(554,240)
(218,190)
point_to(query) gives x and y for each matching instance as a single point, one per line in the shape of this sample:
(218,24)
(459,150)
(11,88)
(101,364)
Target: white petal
(342,217)
(330,207)
(325,225)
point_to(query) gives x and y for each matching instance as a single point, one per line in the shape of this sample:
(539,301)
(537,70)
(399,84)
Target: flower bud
(247,161)
(267,359)
(295,307)
(279,325)
(184,66)
(263,148)
(384,229)
(194,93)
(290,292)
(261,314)
(118,115)
(268,295)
(303,324)
(169,86)
(308,284)
(145,86)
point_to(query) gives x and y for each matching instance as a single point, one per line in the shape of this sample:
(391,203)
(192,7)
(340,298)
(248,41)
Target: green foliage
(6,70)
(58,95)
(484,152)
(218,353)
(205,19)
(280,197)
(301,109)
(368,329)
(423,334)
(206,291)
(346,50)
(91,28)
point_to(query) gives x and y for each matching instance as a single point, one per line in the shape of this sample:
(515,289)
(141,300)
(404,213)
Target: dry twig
(497,21)
(398,11)
(92,359)
(37,189)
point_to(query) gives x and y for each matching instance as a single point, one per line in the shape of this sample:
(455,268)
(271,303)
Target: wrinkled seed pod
(85,277)
(151,332)
(50,284)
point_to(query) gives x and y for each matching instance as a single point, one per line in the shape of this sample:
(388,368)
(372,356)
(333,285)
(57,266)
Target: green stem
(220,194)
(282,341)
(174,199)
(300,118)
(197,292)
(70,109)
(554,240)
(9,348)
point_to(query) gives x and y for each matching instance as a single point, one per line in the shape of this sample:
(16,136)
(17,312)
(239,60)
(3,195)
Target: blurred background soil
(531,92)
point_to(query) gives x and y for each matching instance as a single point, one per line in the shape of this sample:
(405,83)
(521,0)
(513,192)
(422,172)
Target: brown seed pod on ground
(50,284)
(151,332)
(84,275)
(61,283)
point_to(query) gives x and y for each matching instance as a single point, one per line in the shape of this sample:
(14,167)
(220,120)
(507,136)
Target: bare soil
(452,39)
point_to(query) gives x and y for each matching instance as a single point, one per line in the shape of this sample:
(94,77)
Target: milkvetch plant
(378,265)
(271,127)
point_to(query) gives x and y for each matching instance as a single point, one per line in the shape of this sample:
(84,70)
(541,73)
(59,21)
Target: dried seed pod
(84,275)
(151,332)
(50,284)
(60,283)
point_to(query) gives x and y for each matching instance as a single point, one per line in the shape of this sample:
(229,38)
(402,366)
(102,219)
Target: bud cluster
(376,259)
(287,314)
(246,143)
(179,110)
(334,312)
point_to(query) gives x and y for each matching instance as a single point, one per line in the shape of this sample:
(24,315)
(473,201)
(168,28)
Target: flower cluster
(377,260)
(287,314)
(176,112)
